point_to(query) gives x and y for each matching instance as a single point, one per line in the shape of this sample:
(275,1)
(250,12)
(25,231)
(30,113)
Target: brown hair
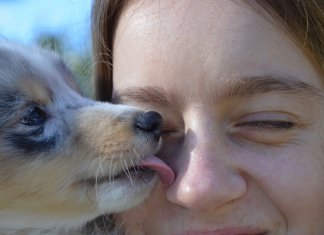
(303,18)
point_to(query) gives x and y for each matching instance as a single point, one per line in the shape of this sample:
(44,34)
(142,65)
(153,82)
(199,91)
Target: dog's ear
(4,59)
(67,75)
(10,60)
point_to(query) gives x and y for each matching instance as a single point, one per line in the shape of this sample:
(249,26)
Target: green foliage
(78,62)
(81,67)
(51,42)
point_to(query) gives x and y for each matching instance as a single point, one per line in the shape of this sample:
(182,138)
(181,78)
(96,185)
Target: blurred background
(59,25)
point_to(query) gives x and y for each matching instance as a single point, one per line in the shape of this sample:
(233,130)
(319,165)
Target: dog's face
(65,159)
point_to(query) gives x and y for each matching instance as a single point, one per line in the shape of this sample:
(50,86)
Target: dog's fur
(60,151)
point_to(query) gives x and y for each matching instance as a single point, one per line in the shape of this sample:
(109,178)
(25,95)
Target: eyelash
(267,124)
(258,124)
(169,130)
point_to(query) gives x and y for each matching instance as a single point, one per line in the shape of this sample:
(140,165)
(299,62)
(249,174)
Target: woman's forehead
(205,40)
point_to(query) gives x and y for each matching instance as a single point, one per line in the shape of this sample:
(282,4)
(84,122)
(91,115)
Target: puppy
(66,159)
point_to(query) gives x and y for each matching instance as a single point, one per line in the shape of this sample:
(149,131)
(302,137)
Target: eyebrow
(232,89)
(251,86)
(148,94)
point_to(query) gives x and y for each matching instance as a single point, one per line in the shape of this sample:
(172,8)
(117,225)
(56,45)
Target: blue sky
(25,20)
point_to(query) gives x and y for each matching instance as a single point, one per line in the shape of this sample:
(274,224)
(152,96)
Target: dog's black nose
(150,122)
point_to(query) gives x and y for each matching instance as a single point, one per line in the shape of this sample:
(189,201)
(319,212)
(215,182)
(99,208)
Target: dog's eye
(34,116)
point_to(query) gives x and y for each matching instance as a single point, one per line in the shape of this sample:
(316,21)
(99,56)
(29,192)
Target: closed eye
(270,128)
(168,131)
(171,131)
(267,124)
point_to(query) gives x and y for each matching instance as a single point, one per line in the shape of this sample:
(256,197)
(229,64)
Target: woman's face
(243,119)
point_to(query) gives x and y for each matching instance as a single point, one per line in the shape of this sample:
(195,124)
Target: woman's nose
(204,186)
(206,179)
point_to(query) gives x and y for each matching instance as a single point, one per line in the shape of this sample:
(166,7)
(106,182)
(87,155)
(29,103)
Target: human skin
(243,112)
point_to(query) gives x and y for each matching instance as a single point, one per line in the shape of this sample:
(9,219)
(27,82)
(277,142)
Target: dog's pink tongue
(163,170)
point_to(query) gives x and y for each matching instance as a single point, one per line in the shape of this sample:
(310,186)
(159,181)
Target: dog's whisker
(137,155)
(96,186)
(127,172)
(134,166)
(111,172)
(100,167)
